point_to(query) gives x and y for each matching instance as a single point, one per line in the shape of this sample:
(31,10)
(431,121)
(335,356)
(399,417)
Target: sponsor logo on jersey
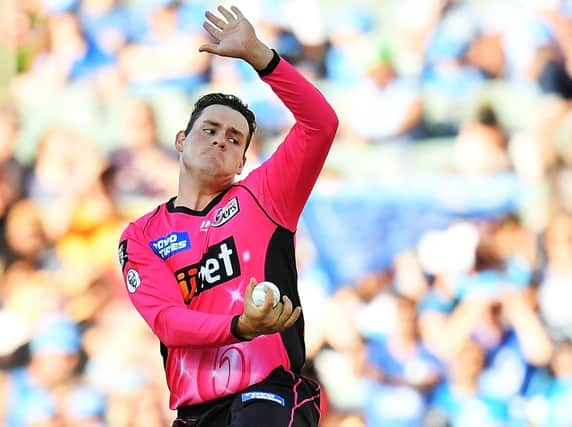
(262,395)
(171,244)
(122,254)
(224,214)
(218,265)
(133,280)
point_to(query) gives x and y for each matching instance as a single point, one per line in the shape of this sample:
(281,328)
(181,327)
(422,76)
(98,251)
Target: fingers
(257,311)
(268,301)
(293,318)
(249,289)
(229,16)
(212,30)
(267,318)
(221,23)
(218,22)
(287,316)
(209,47)
(215,34)
(286,310)
(237,12)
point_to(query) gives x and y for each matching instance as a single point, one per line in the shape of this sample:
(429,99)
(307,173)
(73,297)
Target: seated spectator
(549,392)
(555,290)
(553,61)
(35,409)
(481,145)
(67,165)
(12,172)
(125,371)
(142,166)
(460,398)
(350,49)
(84,407)
(25,236)
(404,371)
(385,105)
(54,357)
(67,56)
(155,60)
(493,306)
(400,358)
(106,24)
(560,391)
(446,72)
(486,54)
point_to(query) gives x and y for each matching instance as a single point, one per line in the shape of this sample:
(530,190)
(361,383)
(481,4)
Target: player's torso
(213,253)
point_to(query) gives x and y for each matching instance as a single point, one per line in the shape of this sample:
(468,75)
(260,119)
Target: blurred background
(435,254)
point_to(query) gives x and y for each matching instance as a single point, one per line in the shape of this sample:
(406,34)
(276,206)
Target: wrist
(260,56)
(240,329)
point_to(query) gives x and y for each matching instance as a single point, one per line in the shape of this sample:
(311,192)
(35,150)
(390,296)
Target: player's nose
(219,142)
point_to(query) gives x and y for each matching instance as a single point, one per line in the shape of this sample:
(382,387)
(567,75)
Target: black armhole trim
(271,65)
(260,206)
(234,328)
(150,218)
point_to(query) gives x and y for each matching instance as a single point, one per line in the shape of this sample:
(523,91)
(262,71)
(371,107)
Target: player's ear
(179,140)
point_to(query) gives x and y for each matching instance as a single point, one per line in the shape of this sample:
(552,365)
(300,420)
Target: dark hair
(229,101)
(487,115)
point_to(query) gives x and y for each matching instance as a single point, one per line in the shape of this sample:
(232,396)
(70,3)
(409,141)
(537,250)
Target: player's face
(216,143)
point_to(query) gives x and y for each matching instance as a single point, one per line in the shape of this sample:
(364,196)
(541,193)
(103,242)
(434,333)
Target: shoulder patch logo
(122,254)
(170,244)
(224,214)
(133,280)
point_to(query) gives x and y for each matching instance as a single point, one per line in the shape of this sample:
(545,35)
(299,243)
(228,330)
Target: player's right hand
(265,319)
(233,35)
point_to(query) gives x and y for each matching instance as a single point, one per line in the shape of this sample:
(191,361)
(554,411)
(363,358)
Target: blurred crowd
(470,326)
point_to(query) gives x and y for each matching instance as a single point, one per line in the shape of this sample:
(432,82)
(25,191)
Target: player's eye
(233,140)
(208,131)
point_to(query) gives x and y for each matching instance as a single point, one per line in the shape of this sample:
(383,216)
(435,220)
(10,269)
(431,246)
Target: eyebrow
(232,130)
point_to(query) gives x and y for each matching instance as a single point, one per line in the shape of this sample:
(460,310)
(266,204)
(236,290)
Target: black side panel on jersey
(280,268)
(164,354)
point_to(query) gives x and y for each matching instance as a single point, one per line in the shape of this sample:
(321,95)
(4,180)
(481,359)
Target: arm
(446,334)
(533,338)
(284,181)
(155,294)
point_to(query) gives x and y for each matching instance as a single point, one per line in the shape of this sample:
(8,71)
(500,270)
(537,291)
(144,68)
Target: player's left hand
(266,318)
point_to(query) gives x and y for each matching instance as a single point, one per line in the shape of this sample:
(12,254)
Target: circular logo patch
(133,280)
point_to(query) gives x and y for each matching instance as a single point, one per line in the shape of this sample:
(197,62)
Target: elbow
(165,337)
(332,123)
(168,336)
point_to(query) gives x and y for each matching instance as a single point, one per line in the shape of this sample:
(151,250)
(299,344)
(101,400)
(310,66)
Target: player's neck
(197,196)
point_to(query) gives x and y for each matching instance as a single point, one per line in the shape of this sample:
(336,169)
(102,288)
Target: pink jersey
(186,271)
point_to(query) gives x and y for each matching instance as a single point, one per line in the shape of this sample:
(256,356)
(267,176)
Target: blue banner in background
(358,227)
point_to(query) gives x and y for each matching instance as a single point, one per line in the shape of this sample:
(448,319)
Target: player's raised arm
(234,36)
(286,180)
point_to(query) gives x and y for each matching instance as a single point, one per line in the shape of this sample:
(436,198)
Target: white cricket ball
(258,294)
